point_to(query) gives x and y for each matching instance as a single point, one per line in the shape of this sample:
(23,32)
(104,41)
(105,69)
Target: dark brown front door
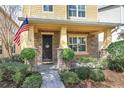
(47,48)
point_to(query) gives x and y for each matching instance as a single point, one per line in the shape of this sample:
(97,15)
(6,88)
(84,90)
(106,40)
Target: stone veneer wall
(55,45)
(92,45)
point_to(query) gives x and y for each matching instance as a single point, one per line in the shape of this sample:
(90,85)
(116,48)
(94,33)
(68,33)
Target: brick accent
(92,45)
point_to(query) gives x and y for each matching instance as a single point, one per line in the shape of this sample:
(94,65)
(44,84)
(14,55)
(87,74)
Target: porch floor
(51,78)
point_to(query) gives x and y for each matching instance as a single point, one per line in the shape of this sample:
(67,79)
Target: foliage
(116,66)
(87,60)
(116,51)
(96,75)
(68,54)
(82,72)
(69,77)
(17,58)
(9,13)
(33,81)
(13,72)
(116,57)
(104,63)
(27,54)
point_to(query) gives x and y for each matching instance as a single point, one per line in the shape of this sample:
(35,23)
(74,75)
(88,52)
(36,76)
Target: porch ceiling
(72,25)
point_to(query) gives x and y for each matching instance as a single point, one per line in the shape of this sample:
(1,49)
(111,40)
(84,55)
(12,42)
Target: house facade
(55,27)
(7,27)
(112,13)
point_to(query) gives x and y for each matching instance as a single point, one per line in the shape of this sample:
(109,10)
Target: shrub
(96,75)
(82,72)
(68,54)
(17,58)
(87,60)
(33,81)
(69,77)
(116,58)
(27,54)
(5,59)
(13,72)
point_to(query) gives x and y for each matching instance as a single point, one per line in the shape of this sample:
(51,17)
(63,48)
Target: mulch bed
(7,84)
(112,80)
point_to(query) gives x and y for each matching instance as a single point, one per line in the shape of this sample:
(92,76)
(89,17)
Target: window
(48,8)
(76,10)
(77,43)
(13,49)
(1,49)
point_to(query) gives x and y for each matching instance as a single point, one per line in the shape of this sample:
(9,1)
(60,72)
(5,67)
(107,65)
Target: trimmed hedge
(33,81)
(82,72)
(69,77)
(13,72)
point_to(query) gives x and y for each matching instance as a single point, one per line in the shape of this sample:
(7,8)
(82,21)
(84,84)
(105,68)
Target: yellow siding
(59,12)
(91,12)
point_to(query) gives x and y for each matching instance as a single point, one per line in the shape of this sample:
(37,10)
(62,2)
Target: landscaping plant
(69,77)
(116,56)
(13,72)
(96,75)
(33,81)
(82,72)
(28,55)
(68,56)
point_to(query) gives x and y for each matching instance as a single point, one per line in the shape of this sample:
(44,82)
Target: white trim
(77,17)
(79,35)
(47,33)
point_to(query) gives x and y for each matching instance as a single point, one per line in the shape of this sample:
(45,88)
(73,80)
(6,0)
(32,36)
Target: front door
(47,48)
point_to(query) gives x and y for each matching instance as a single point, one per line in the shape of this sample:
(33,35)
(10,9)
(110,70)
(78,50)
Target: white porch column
(63,38)
(107,38)
(27,38)
(63,44)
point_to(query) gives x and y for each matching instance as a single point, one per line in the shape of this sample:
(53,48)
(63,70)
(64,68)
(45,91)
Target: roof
(68,21)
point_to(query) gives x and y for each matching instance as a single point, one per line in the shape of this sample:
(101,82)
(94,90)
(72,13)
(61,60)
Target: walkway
(51,78)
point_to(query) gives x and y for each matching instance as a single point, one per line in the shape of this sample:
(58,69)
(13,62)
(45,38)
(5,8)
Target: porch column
(107,38)
(31,37)
(63,38)
(27,38)
(63,44)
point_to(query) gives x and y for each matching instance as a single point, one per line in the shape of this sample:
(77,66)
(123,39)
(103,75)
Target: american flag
(23,27)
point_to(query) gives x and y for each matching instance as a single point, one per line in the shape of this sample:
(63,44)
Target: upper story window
(76,10)
(77,43)
(48,8)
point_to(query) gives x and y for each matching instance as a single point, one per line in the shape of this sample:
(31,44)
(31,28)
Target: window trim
(77,17)
(47,11)
(78,35)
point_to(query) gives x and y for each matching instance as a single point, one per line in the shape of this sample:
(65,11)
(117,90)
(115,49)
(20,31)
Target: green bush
(82,72)
(87,60)
(96,75)
(27,54)
(115,66)
(69,77)
(5,59)
(13,72)
(33,81)
(17,58)
(68,54)
(116,57)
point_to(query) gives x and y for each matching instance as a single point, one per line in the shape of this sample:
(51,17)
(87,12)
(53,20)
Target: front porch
(49,37)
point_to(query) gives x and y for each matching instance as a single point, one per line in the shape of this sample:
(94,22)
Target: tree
(8,25)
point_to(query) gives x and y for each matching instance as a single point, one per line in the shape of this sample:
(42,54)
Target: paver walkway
(51,78)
